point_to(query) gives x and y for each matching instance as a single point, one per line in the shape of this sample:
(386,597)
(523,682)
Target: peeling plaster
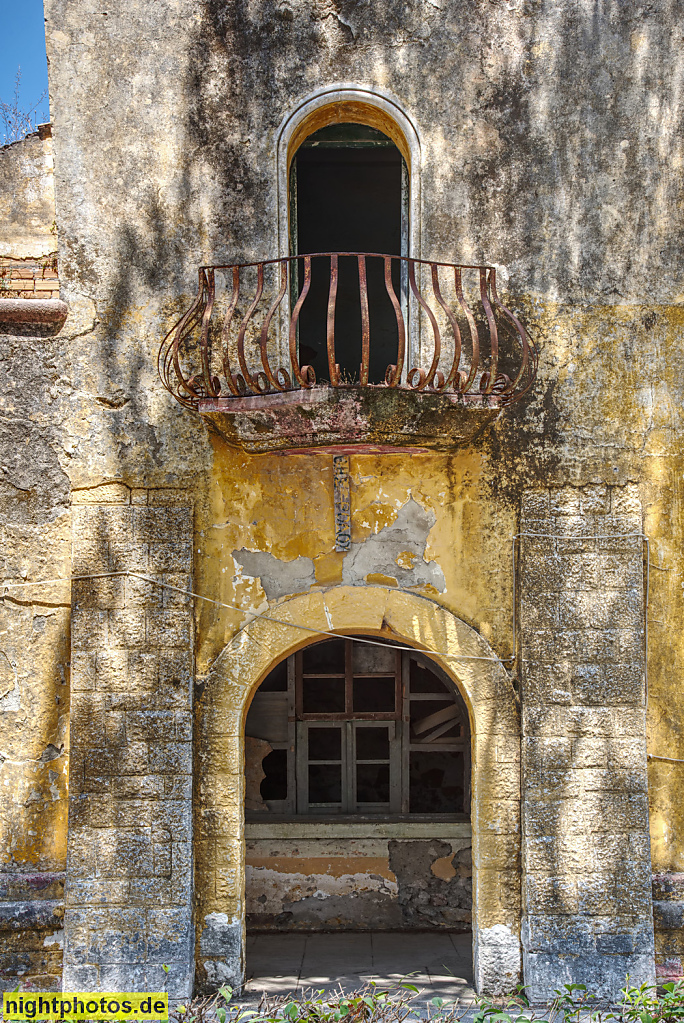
(278,578)
(338,884)
(397,552)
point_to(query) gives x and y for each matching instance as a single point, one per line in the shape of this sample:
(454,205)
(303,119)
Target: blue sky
(22,42)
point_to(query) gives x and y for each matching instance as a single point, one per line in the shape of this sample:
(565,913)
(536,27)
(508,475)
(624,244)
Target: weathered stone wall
(586,851)
(34,621)
(550,144)
(27,198)
(130,861)
(34,664)
(668,918)
(31,932)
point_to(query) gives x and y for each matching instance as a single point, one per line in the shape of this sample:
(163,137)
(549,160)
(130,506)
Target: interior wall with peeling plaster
(358,884)
(550,147)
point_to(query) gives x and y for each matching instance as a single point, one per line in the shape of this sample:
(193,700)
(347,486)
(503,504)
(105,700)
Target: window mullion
(404,726)
(302,768)
(395,753)
(348,768)
(292,744)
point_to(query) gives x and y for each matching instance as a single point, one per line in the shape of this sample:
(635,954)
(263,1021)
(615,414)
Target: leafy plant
(370,1004)
(205,1008)
(573,1003)
(645,1005)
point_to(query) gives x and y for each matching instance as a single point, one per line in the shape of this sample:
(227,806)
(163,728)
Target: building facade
(340,489)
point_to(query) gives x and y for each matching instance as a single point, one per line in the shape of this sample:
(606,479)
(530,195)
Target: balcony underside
(360,418)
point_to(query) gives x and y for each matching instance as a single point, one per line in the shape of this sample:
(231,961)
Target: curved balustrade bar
(474,344)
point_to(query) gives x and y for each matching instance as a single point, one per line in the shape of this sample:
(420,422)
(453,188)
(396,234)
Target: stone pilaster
(586,852)
(129,867)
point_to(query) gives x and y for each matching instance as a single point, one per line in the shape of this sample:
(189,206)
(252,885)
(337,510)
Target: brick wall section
(29,278)
(130,865)
(586,851)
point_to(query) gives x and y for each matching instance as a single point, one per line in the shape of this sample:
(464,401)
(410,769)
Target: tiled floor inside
(439,963)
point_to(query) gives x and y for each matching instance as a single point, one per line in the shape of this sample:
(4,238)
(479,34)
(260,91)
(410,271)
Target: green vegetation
(402,1004)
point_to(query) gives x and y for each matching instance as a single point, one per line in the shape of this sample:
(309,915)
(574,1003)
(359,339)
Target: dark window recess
(346,728)
(324,658)
(274,785)
(325,744)
(325,783)
(323,695)
(372,695)
(425,681)
(432,720)
(436,782)
(372,744)
(276,680)
(372,783)
(348,195)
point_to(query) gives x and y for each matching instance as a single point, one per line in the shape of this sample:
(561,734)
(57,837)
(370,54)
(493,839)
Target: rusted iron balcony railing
(248,341)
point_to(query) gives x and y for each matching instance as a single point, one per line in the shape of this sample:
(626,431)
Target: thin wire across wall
(370,642)
(235,607)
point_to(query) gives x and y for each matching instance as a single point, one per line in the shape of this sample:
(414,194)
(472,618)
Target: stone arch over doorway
(495,802)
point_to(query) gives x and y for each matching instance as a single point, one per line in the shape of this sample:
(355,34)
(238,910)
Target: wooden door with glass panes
(356,728)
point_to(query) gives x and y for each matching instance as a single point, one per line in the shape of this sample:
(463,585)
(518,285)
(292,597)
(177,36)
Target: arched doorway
(372,743)
(470,664)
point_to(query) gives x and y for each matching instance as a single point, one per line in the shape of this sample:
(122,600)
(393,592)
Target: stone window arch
(352,104)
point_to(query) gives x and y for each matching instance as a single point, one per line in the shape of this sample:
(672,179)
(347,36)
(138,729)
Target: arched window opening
(349,193)
(347,728)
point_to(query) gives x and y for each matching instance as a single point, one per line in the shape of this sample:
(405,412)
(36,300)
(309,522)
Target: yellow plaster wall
(605,410)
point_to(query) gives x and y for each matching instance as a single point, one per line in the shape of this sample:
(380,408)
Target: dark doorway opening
(349,194)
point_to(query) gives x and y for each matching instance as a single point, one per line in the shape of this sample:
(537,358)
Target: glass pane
(367,659)
(436,782)
(372,743)
(325,783)
(323,695)
(372,783)
(274,785)
(325,744)
(327,657)
(373,695)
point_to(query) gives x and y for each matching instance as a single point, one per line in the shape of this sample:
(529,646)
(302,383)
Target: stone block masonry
(586,852)
(128,899)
